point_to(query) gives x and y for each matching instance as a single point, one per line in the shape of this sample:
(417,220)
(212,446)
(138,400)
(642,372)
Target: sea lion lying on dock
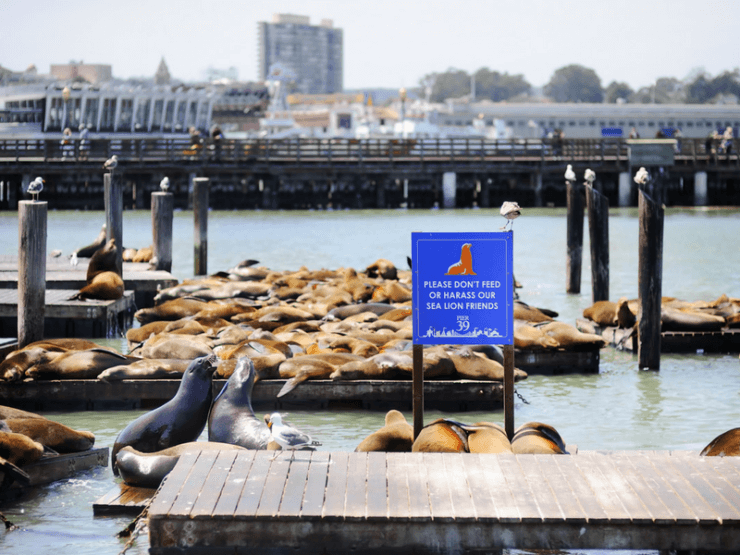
(104,281)
(537,438)
(396,436)
(19,449)
(17,363)
(726,444)
(78,365)
(53,435)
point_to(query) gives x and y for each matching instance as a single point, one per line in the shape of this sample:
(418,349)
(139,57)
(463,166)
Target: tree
(574,83)
(453,83)
(616,91)
(498,86)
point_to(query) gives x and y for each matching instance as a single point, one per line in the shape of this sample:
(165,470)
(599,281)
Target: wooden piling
(598,227)
(575,237)
(113,192)
(417,404)
(509,390)
(200,215)
(162,213)
(31,270)
(650,278)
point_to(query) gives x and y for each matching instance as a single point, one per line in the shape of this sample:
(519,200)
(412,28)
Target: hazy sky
(387,43)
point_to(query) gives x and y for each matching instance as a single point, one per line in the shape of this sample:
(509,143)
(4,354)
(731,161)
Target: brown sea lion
(104,260)
(318,367)
(383,366)
(88,250)
(397,436)
(146,369)
(105,286)
(532,338)
(570,338)
(391,292)
(165,345)
(532,314)
(78,365)
(170,310)
(442,436)
(604,313)
(396,314)
(14,367)
(10,412)
(686,319)
(19,449)
(627,313)
(726,444)
(537,438)
(488,438)
(144,254)
(382,268)
(54,435)
(470,365)
(138,335)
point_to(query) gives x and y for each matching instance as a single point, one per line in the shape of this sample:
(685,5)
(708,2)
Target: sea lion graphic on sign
(465,266)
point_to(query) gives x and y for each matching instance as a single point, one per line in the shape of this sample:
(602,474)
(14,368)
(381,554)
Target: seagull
(570,175)
(510,211)
(288,437)
(111,163)
(642,176)
(590,176)
(35,187)
(165,184)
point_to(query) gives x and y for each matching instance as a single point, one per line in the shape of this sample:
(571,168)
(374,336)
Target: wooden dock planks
(402,501)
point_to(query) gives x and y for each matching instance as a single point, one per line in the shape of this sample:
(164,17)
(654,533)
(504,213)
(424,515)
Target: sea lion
(147,470)
(105,286)
(342,312)
(179,420)
(537,438)
(19,449)
(532,314)
(604,313)
(488,438)
(464,267)
(319,367)
(383,366)
(146,369)
(170,310)
(570,338)
(232,419)
(144,254)
(397,436)
(726,444)
(134,336)
(54,435)
(165,345)
(391,292)
(382,268)
(470,365)
(532,338)
(14,367)
(686,319)
(104,260)
(89,250)
(9,412)
(78,365)
(442,436)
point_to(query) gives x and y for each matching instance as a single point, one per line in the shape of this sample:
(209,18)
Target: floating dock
(60,274)
(723,341)
(322,502)
(123,500)
(71,318)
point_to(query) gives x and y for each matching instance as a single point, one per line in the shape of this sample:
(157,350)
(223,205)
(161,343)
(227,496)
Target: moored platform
(123,499)
(322,502)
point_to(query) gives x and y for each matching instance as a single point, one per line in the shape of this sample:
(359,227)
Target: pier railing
(235,151)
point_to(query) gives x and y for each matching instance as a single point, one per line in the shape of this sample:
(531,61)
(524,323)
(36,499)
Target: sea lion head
(201,368)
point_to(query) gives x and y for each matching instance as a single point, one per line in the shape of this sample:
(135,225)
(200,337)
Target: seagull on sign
(111,163)
(165,184)
(35,187)
(288,437)
(642,176)
(510,211)
(570,175)
(590,176)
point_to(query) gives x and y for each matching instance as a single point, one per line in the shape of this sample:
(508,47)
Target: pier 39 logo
(462,288)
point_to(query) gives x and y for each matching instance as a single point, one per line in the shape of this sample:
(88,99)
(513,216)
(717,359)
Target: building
(307,58)
(92,73)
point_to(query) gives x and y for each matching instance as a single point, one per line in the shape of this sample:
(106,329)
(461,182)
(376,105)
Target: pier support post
(417,403)
(575,237)
(485,193)
(162,213)
(650,278)
(31,271)
(200,216)
(537,186)
(508,351)
(449,190)
(598,228)
(113,193)
(625,189)
(380,185)
(700,189)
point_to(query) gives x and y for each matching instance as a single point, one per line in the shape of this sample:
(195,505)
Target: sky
(387,43)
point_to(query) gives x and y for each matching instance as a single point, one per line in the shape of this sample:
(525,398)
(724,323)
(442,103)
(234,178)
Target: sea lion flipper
(290,385)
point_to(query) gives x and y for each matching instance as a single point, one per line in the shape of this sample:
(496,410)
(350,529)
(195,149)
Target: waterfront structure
(92,73)
(312,54)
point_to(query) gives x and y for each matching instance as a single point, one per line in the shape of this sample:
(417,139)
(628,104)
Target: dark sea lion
(627,313)
(726,444)
(232,419)
(488,438)
(78,365)
(396,436)
(54,435)
(104,260)
(146,369)
(318,367)
(88,250)
(19,449)
(382,268)
(537,438)
(147,470)
(442,436)
(179,420)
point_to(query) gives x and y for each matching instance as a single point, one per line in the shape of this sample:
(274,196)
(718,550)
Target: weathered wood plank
(542,491)
(377,494)
(123,499)
(252,491)
(192,488)
(272,492)
(460,494)
(398,486)
(234,483)
(519,487)
(357,476)
(480,494)
(566,497)
(720,479)
(603,491)
(336,486)
(296,484)
(586,498)
(493,475)
(313,496)
(622,487)
(170,488)
(439,489)
(419,502)
(706,502)
(214,484)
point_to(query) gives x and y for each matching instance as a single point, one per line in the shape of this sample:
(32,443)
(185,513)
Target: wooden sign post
(463,286)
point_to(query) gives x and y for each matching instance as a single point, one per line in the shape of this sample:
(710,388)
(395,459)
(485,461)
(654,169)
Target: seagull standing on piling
(165,184)
(35,187)
(570,175)
(642,176)
(590,176)
(510,211)
(111,163)
(288,437)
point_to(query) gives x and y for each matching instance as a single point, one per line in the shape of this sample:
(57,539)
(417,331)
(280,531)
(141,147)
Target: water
(689,402)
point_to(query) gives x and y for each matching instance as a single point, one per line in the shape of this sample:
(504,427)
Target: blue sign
(463,287)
